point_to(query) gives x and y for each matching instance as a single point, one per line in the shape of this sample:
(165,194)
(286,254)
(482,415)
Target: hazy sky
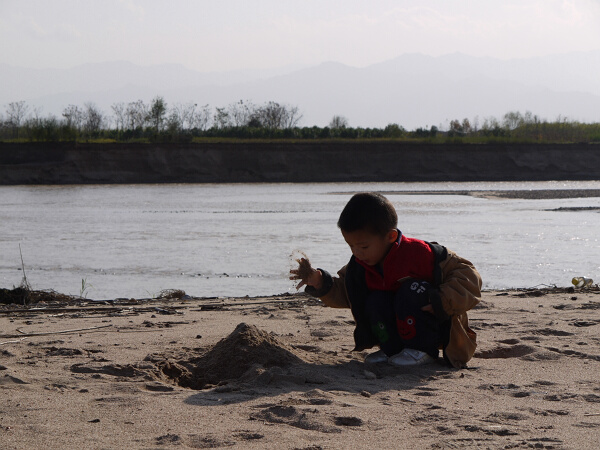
(215,35)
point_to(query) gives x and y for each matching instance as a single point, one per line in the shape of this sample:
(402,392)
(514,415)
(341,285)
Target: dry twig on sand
(13,342)
(54,332)
(170,294)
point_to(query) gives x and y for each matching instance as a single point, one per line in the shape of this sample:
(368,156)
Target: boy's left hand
(428,308)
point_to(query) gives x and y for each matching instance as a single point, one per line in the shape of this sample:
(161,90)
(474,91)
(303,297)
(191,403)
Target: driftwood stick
(150,308)
(54,332)
(13,342)
(91,309)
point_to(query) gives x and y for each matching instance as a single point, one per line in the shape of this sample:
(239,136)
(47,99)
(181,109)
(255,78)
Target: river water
(236,239)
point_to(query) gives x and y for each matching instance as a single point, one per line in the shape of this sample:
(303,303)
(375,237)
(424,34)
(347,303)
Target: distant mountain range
(412,90)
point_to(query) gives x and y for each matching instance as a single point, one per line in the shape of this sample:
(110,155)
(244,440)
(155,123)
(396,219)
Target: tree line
(156,121)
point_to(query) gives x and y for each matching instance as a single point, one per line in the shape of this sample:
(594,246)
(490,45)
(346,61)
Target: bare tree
(293,117)
(136,114)
(93,118)
(73,116)
(512,120)
(183,115)
(490,123)
(240,113)
(221,118)
(119,110)
(177,117)
(36,113)
(16,113)
(530,118)
(201,118)
(456,128)
(35,118)
(466,126)
(475,124)
(275,116)
(338,122)
(174,121)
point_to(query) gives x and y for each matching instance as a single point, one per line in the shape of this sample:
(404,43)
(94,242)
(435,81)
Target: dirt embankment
(68,163)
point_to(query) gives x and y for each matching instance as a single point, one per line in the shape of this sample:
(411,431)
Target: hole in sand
(349,421)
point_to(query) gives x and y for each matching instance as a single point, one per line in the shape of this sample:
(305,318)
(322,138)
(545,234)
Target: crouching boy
(407,296)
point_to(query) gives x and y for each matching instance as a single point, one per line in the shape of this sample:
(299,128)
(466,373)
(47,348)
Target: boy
(407,296)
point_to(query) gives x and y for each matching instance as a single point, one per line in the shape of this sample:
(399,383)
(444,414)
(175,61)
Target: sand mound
(230,359)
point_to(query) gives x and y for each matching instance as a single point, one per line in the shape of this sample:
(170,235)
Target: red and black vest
(408,258)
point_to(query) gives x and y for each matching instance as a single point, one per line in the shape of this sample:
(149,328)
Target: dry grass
(171,294)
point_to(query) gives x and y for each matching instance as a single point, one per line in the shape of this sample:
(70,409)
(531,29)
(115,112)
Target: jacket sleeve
(459,290)
(333,293)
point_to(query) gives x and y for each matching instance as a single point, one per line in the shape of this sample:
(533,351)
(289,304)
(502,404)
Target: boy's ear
(392,236)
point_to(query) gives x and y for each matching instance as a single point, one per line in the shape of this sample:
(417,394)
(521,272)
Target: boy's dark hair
(368,211)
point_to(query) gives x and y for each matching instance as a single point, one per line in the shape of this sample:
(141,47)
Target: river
(114,241)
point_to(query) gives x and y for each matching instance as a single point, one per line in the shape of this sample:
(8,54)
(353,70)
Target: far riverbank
(299,162)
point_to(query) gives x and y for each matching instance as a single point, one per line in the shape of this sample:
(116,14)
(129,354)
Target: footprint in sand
(501,417)
(574,353)
(510,389)
(558,397)
(246,435)
(168,439)
(155,386)
(116,370)
(9,379)
(509,341)
(348,421)
(543,383)
(592,398)
(323,332)
(60,351)
(587,425)
(426,392)
(549,412)
(306,419)
(585,323)
(551,332)
(197,441)
(490,431)
(501,352)
(543,442)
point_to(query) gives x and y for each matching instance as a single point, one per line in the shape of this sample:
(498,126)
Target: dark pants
(398,322)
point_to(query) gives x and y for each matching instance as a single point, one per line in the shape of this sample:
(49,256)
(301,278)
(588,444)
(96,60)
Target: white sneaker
(410,357)
(376,358)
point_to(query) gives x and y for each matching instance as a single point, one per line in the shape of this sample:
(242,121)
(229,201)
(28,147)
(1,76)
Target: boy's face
(368,247)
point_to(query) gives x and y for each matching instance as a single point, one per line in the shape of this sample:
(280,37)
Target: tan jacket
(460,290)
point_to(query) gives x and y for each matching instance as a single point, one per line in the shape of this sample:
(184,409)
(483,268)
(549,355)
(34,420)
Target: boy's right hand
(306,274)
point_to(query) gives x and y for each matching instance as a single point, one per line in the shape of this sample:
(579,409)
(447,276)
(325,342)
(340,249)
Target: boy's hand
(428,308)
(306,274)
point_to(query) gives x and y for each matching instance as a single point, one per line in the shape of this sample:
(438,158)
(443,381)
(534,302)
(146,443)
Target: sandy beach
(278,372)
